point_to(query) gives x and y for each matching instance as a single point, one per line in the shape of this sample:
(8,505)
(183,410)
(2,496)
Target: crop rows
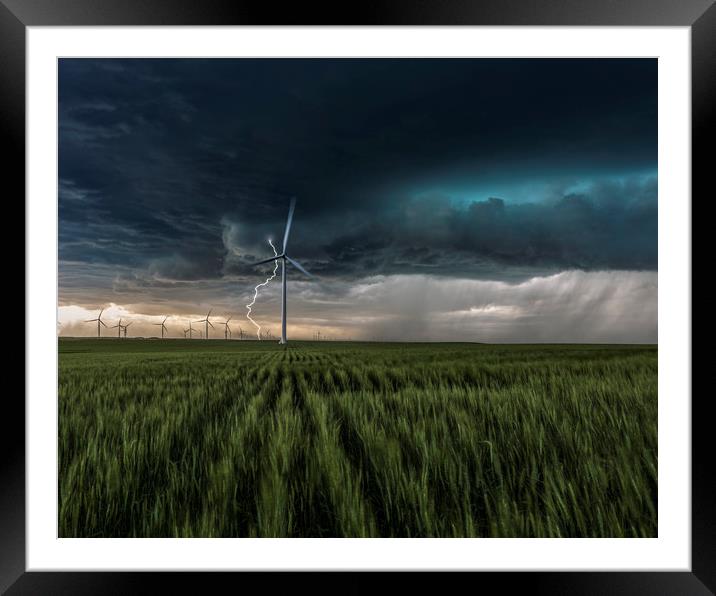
(185,439)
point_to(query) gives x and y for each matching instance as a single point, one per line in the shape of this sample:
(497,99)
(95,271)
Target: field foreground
(180,438)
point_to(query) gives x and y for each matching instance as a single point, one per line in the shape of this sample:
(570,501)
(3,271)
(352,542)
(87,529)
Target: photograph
(357,297)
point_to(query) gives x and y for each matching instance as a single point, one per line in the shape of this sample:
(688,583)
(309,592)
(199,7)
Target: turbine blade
(266,261)
(210,325)
(298,266)
(209,313)
(103,323)
(90,320)
(288,223)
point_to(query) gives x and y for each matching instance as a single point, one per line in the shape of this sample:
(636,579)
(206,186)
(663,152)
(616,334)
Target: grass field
(187,438)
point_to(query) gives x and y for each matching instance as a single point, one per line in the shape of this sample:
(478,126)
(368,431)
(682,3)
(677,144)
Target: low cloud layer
(572,306)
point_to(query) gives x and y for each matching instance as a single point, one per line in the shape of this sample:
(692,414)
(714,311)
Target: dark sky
(173,173)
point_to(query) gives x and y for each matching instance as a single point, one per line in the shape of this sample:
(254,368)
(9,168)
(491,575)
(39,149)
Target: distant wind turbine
(283,257)
(185,332)
(164,328)
(119,328)
(227,329)
(125,328)
(99,322)
(207,323)
(241,333)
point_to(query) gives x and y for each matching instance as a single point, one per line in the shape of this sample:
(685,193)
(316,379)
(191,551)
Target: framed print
(406,293)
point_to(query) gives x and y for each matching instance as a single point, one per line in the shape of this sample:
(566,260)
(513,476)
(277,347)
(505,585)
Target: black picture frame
(16,15)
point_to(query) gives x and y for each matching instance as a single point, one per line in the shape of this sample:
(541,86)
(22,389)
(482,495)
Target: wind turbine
(119,327)
(99,322)
(185,332)
(283,257)
(227,329)
(125,328)
(164,328)
(241,333)
(191,331)
(207,322)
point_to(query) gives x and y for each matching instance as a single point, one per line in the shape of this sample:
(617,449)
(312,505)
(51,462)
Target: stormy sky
(442,199)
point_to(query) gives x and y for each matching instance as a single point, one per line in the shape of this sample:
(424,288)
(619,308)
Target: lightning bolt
(256,292)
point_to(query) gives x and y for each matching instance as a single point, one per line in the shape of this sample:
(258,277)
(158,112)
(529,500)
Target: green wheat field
(193,438)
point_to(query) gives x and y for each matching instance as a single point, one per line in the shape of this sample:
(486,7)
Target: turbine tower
(241,333)
(283,257)
(164,328)
(125,328)
(99,322)
(207,323)
(119,328)
(227,329)
(191,331)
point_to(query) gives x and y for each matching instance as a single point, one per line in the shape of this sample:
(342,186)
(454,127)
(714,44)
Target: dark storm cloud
(611,226)
(178,170)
